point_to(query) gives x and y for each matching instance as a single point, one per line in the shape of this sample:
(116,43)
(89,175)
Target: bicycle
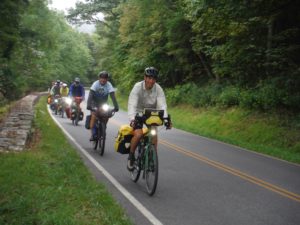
(76,112)
(65,103)
(146,153)
(103,113)
(55,104)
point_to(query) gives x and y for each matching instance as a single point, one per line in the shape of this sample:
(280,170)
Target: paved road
(201,181)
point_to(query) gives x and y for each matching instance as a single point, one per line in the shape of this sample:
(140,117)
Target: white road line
(126,193)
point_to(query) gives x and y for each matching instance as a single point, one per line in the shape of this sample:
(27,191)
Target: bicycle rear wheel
(151,169)
(135,174)
(77,118)
(102,138)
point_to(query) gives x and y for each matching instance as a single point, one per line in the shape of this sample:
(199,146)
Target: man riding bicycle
(77,93)
(55,90)
(76,89)
(145,94)
(98,95)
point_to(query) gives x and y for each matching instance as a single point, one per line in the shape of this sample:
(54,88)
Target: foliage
(249,49)
(243,53)
(39,47)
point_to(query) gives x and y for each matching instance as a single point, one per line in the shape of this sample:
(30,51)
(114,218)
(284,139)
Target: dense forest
(209,52)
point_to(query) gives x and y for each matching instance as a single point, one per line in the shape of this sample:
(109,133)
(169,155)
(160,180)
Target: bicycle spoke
(151,170)
(135,174)
(102,136)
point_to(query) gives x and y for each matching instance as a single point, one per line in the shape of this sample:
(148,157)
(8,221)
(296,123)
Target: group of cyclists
(145,94)
(61,89)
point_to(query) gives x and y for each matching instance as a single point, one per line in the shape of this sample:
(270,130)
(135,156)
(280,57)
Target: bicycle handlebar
(140,119)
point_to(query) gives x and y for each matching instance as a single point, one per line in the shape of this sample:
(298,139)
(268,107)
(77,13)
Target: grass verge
(49,183)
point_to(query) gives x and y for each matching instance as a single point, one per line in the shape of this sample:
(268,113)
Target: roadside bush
(266,96)
(248,99)
(229,96)
(194,95)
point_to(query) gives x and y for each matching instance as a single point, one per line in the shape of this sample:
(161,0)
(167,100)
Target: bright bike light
(55,100)
(105,107)
(68,101)
(153,132)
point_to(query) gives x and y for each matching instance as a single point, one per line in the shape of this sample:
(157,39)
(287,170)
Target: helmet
(64,85)
(57,82)
(151,72)
(77,79)
(103,74)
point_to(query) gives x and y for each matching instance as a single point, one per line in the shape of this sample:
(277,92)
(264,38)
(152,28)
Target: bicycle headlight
(105,107)
(153,132)
(68,101)
(56,100)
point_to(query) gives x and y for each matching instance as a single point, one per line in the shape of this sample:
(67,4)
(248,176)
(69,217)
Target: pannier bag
(87,121)
(122,142)
(81,115)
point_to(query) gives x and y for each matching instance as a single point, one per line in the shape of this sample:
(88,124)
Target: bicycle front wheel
(135,174)
(77,118)
(96,139)
(151,169)
(102,138)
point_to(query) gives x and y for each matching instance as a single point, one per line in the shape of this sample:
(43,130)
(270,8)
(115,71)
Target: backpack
(122,142)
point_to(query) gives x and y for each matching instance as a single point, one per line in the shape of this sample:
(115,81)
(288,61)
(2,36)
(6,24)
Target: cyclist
(98,95)
(64,90)
(145,94)
(55,90)
(76,89)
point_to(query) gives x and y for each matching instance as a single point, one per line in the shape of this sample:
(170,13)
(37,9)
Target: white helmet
(64,85)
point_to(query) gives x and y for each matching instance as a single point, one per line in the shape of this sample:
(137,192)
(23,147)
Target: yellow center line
(235,172)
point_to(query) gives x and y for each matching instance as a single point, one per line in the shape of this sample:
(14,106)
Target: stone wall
(16,128)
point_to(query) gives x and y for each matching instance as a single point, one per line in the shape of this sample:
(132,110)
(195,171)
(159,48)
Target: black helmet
(151,72)
(103,74)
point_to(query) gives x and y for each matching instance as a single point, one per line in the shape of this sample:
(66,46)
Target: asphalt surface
(201,181)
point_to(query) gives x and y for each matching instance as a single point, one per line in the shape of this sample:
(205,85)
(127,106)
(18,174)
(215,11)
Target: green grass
(270,134)
(49,184)
(262,133)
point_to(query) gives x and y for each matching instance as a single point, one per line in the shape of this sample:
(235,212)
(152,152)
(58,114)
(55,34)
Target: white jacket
(140,98)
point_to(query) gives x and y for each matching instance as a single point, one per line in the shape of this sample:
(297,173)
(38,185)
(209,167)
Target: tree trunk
(207,67)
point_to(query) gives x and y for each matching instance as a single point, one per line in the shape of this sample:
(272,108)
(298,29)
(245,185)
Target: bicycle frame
(146,144)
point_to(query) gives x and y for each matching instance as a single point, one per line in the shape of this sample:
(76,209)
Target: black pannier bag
(87,122)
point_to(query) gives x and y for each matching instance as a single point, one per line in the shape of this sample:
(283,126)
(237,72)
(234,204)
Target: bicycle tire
(77,118)
(102,138)
(151,169)
(95,144)
(135,174)
(62,112)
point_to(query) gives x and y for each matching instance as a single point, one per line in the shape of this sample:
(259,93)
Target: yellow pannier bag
(122,142)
